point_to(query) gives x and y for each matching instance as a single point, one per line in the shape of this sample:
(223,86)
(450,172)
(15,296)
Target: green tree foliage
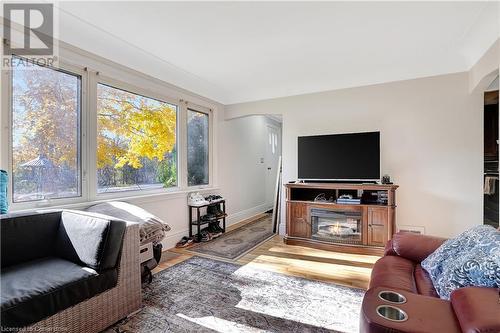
(197,154)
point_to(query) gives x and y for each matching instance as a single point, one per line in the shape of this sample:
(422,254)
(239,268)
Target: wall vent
(411,229)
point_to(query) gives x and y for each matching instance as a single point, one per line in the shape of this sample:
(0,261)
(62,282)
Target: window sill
(134,199)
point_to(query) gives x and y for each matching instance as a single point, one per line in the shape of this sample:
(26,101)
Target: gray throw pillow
(89,239)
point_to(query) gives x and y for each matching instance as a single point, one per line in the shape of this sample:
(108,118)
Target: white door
(273,152)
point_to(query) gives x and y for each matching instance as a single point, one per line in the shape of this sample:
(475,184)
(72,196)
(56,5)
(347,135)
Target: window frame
(208,112)
(90,68)
(82,158)
(120,85)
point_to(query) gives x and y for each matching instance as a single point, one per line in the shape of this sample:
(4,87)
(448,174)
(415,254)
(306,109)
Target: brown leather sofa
(471,309)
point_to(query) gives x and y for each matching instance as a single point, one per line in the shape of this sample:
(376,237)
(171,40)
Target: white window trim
(97,79)
(209,112)
(88,131)
(7,116)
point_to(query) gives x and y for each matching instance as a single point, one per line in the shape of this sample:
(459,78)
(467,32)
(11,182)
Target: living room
(250,166)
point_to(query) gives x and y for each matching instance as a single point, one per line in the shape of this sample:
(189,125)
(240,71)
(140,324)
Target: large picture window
(197,147)
(136,141)
(45,133)
(77,136)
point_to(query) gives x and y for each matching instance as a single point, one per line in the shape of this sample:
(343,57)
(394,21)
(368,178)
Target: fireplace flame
(335,228)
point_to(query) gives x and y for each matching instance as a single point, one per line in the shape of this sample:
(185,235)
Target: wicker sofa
(98,304)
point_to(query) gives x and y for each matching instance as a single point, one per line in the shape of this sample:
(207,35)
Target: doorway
(250,151)
(271,160)
(491,154)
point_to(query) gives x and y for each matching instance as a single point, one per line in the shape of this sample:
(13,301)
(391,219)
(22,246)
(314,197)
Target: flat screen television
(345,157)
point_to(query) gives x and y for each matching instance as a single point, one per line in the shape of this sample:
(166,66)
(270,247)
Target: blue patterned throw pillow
(471,259)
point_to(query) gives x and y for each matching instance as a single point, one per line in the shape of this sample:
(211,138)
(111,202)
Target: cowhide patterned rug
(206,295)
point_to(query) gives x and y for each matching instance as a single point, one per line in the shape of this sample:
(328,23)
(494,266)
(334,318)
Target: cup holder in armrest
(392,313)
(392,297)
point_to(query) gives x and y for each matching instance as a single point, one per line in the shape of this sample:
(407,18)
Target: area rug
(206,295)
(237,242)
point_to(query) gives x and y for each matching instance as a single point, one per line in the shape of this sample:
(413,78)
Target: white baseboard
(173,237)
(247,213)
(282,229)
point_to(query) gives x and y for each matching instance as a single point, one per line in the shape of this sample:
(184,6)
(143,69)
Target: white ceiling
(240,51)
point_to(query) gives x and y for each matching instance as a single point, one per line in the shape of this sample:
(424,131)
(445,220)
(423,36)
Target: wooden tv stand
(356,228)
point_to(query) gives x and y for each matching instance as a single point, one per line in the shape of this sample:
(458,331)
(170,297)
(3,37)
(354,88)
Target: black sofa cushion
(90,239)
(35,290)
(28,236)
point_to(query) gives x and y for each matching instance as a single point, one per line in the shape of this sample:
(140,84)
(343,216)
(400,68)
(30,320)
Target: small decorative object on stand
(386,179)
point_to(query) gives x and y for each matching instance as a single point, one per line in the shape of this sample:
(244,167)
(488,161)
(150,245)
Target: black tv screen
(353,156)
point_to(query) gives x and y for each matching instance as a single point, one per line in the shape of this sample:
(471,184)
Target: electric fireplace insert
(337,226)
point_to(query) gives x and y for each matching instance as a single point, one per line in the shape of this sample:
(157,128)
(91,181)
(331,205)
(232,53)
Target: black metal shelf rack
(199,222)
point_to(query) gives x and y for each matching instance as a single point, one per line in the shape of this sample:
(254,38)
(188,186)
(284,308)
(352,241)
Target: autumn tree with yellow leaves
(136,135)
(135,132)
(46,116)
(45,127)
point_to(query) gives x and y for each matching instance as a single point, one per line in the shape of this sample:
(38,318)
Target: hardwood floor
(341,268)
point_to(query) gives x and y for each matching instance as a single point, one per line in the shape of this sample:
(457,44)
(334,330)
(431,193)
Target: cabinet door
(299,226)
(377,226)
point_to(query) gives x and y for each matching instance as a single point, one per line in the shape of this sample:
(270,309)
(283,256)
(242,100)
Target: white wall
(241,143)
(431,142)
(242,175)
